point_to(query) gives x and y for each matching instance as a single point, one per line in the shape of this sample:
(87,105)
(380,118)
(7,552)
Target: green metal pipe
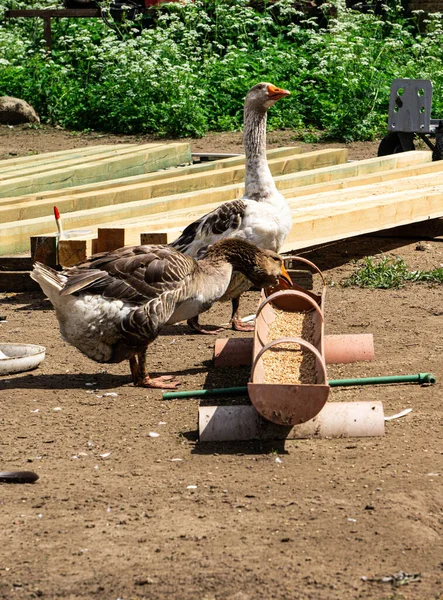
(243,390)
(419,378)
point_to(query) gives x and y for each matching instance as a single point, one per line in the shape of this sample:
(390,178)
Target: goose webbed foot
(165,382)
(141,378)
(238,325)
(195,326)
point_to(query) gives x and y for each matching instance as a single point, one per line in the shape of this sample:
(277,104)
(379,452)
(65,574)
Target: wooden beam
(330,198)
(365,179)
(33,208)
(17,281)
(154,215)
(27,170)
(53,12)
(355,169)
(361,216)
(15,263)
(141,179)
(136,163)
(53,158)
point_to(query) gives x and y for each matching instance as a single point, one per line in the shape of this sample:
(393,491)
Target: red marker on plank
(58,222)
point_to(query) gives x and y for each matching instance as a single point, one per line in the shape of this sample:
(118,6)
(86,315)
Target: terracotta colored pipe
(233,352)
(349,348)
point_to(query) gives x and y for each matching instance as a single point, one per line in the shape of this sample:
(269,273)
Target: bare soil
(112,515)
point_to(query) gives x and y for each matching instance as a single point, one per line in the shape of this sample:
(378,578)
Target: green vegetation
(186,71)
(389,273)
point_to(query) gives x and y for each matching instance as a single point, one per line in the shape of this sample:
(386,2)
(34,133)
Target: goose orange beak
(276,93)
(284,278)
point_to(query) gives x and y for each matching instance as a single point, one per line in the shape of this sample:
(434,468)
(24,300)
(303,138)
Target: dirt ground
(113,515)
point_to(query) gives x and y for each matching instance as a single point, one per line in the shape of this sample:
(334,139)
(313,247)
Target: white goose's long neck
(259,183)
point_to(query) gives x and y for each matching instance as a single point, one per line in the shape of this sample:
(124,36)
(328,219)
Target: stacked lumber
(153,195)
(63,170)
(328,203)
(330,198)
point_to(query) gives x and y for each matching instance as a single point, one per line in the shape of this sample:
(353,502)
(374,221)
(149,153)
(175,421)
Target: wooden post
(44,249)
(110,239)
(71,252)
(47,34)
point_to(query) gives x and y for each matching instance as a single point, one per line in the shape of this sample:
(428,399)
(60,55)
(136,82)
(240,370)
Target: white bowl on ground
(15,358)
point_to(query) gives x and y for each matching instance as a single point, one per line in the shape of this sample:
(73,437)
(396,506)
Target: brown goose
(262,216)
(112,306)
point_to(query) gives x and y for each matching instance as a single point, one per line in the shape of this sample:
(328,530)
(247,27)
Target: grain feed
(290,363)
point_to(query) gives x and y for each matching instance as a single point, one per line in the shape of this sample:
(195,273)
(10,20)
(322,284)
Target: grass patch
(389,273)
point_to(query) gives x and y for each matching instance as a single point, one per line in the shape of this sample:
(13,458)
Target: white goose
(112,306)
(262,216)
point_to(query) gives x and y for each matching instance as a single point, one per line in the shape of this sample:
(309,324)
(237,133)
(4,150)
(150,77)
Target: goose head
(262,96)
(264,268)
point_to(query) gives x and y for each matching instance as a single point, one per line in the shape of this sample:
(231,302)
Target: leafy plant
(389,273)
(185,68)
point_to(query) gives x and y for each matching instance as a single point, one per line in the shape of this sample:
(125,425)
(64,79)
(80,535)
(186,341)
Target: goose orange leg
(141,378)
(236,323)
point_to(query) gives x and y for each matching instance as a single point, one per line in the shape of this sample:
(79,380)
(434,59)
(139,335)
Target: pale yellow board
(55,157)
(365,215)
(12,237)
(56,165)
(354,217)
(167,173)
(173,185)
(134,163)
(178,206)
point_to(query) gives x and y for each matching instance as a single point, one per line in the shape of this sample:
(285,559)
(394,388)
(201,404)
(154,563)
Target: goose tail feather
(49,280)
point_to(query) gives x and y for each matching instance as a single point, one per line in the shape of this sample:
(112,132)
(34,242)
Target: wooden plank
(140,179)
(329,198)
(103,170)
(315,225)
(179,217)
(317,175)
(13,237)
(355,169)
(53,12)
(15,263)
(364,215)
(67,162)
(21,162)
(17,281)
(363,179)
(163,187)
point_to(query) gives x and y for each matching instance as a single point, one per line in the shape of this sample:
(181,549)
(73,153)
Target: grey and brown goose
(112,306)
(262,216)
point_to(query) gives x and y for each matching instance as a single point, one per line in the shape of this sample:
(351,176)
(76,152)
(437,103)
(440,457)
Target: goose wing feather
(135,274)
(224,221)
